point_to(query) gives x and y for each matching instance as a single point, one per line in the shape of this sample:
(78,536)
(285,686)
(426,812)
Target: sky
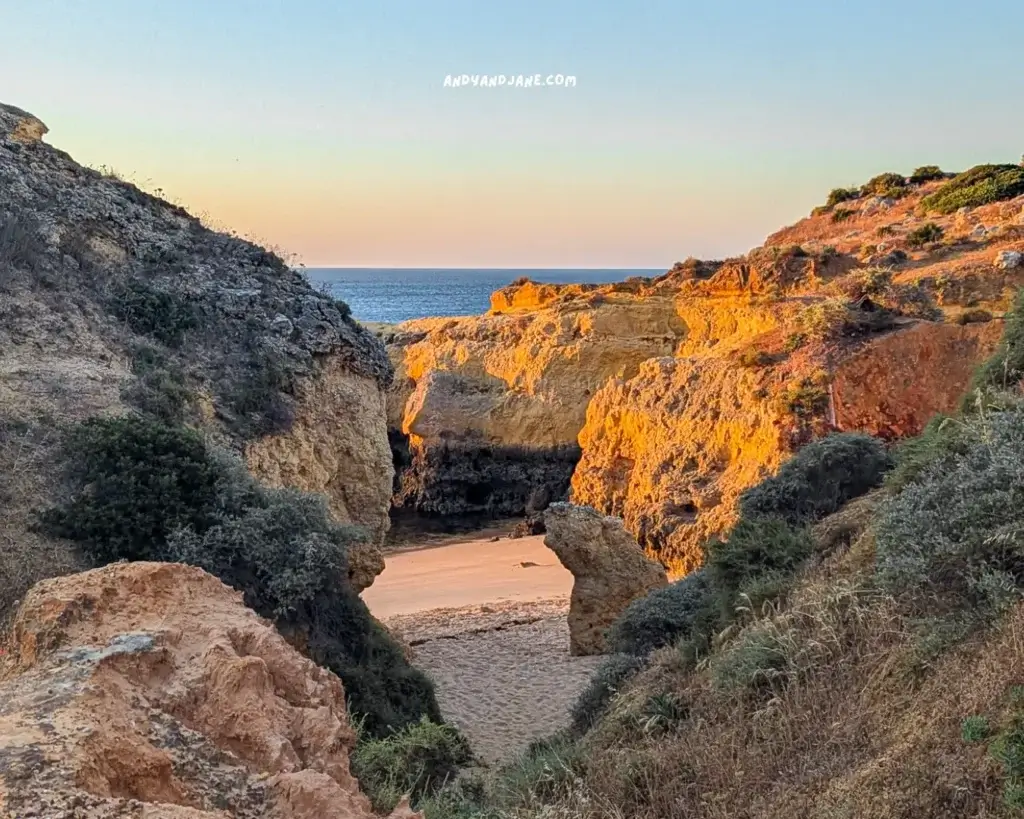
(323,128)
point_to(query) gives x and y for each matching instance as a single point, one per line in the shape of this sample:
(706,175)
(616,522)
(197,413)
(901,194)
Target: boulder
(1009,259)
(609,568)
(149,689)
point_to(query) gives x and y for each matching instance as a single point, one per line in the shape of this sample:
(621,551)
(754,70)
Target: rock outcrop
(112,299)
(485,410)
(148,689)
(609,568)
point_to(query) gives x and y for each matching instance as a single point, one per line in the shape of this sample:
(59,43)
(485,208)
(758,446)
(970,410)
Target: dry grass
(839,728)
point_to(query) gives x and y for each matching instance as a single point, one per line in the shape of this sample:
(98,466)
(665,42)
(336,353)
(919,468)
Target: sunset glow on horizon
(325,128)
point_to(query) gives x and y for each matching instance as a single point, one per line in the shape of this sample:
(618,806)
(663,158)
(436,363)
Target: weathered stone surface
(1009,259)
(148,689)
(488,408)
(274,369)
(609,568)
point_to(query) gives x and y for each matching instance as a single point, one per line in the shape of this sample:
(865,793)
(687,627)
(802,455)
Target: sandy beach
(487,621)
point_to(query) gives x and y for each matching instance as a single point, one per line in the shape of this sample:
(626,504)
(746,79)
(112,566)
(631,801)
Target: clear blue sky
(694,128)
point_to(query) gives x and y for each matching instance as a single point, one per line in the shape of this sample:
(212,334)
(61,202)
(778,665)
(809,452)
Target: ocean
(391,295)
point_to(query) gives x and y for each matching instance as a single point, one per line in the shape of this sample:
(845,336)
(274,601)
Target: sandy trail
(487,622)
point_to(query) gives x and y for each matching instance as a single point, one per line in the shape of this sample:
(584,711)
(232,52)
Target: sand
(487,622)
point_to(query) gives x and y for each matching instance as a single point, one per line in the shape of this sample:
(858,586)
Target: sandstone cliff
(112,299)
(148,689)
(489,408)
(683,390)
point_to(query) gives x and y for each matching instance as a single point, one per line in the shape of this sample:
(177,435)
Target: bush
(756,548)
(890,185)
(927,173)
(926,234)
(142,490)
(954,537)
(757,662)
(943,437)
(678,611)
(838,195)
(823,476)
(160,388)
(606,682)
(975,729)
(974,317)
(154,313)
(842,214)
(1005,369)
(138,481)
(540,776)
(981,185)
(418,760)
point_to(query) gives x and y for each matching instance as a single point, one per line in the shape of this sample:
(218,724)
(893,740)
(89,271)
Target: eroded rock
(609,568)
(149,689)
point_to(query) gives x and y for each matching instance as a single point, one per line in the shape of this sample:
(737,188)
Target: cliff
(683,390)
(148,689)
(485,411)
(113,300)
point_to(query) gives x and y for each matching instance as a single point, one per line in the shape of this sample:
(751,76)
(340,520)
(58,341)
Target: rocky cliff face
(148,689)
(112,299)
(683,390)
(488,409)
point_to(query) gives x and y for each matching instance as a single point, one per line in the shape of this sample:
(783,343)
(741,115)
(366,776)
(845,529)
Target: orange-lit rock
(148,689)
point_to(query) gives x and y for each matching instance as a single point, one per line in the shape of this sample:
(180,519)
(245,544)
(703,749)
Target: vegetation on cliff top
(978,186)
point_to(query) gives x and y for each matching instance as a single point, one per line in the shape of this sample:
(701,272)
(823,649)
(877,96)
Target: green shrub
(842,215)
(981,185)
(927,173)
(805,398)
(954,537)
(1005,369)
(154,313)
(418,760)
(823,476)
(1008,750)
(662,713)
(606,682)
(540,776)
(142,490)
(926,234)
(943,437)
(138,481)
(975,729)
(890,185)
(838,195)
(680,610)
(757,662)
(465,798)
(160,388)
(756,548)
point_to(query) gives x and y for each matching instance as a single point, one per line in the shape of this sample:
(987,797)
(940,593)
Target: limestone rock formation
(112,299)
(148,689)
(671,449)
(609,568)
(485,410)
